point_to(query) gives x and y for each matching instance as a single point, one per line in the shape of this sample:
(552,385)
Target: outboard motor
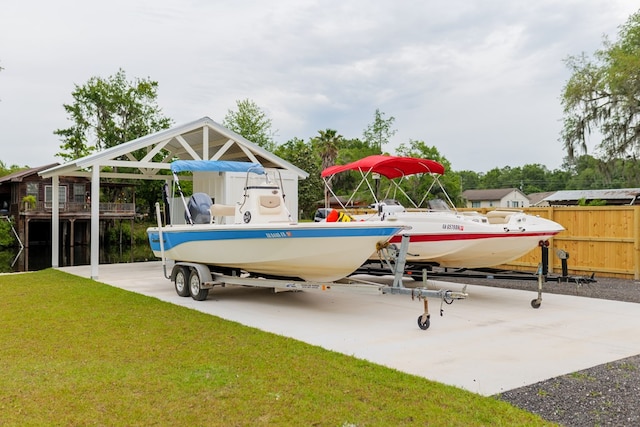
(199,207)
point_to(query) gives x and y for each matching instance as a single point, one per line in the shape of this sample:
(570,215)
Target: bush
(30,200)
(7,238)
(139,233)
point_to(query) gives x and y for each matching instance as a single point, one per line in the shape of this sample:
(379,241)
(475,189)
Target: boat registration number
(453,227)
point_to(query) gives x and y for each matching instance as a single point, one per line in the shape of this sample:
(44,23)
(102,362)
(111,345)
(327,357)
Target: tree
(588,172)
(557,179)
(379,132)
(6,170)
(108,112)
(417,186)
(310,190)
(344,183)
(533,178)
(327,144)
(603,94)
(469,180)
(252,123)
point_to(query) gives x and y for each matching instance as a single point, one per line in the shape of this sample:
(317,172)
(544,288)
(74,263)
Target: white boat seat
(218,209)
(499,217)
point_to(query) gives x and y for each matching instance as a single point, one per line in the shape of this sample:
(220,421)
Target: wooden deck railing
(70,207)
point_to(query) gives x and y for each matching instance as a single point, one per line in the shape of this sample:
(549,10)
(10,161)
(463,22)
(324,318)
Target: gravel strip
(604,395)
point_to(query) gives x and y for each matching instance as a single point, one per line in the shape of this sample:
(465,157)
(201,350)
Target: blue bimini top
(215,166)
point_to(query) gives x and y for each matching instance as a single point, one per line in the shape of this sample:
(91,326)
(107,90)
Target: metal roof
(18,176)
(620,194)
(201,139)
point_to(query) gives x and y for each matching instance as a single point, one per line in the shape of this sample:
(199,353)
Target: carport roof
(197,140)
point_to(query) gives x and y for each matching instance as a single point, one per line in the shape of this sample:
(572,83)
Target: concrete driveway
(489,343)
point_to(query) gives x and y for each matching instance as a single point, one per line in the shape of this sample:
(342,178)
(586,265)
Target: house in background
(495,198)
(611,197)
(27,198)
(24,191)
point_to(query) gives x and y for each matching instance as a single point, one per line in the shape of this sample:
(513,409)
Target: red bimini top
(388,166)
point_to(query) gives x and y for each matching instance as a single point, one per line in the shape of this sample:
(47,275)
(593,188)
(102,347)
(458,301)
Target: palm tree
(327,145)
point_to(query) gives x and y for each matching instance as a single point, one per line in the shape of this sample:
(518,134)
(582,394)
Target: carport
(146,157)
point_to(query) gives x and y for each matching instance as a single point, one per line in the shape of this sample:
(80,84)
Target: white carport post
(95,220)
(55,221)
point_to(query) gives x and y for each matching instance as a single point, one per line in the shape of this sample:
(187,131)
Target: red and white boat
(439,233)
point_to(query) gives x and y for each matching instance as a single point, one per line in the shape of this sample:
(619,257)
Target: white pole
(55,221)
(95,221)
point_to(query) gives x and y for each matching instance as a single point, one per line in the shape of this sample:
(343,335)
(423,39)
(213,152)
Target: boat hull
(312,252)
(453,239)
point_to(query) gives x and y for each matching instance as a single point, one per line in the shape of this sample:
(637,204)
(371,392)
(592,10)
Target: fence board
(599,239)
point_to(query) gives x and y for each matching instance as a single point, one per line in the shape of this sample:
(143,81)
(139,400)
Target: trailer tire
(196,291)
(181,281)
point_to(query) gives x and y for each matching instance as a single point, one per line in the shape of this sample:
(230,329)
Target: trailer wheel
(181,281)
(197,293)
(424,325)
(535,303)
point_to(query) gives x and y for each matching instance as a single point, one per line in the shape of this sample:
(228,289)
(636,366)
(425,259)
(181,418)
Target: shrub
(7,237)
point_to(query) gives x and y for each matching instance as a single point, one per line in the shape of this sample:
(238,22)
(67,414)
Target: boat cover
(389,166)
(215,166)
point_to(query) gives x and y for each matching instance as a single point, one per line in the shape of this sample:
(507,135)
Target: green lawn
(78,352)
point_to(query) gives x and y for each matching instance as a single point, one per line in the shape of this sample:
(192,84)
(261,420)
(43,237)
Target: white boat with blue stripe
(257,235)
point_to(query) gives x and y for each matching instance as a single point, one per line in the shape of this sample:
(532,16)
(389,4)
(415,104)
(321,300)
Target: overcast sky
(479,80)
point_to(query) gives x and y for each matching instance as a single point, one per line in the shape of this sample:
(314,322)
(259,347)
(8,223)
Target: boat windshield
(438,205)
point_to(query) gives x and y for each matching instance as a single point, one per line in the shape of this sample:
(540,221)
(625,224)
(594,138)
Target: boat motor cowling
(199,207)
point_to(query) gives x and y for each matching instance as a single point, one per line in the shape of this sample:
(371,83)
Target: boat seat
(270,205)
(218,209)
(499,217)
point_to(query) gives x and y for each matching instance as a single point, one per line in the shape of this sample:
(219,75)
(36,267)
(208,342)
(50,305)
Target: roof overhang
(202,139)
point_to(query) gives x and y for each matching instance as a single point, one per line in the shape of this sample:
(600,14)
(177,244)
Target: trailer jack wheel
(535,303)
(423,321)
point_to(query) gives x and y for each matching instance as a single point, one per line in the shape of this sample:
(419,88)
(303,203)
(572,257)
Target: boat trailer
(196,279)
(542,275)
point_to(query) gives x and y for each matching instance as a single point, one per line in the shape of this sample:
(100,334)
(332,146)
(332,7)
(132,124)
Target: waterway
(38,257)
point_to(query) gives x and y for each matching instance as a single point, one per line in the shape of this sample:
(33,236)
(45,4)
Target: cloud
(480,81)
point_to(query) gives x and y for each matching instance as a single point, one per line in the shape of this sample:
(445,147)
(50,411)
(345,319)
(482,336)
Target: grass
(78,352)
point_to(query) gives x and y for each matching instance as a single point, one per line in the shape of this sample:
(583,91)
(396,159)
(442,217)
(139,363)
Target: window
(79,191)
(475,204)
(48,195)
(32,189)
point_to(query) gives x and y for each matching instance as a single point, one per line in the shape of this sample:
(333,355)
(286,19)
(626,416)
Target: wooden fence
(604,240)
